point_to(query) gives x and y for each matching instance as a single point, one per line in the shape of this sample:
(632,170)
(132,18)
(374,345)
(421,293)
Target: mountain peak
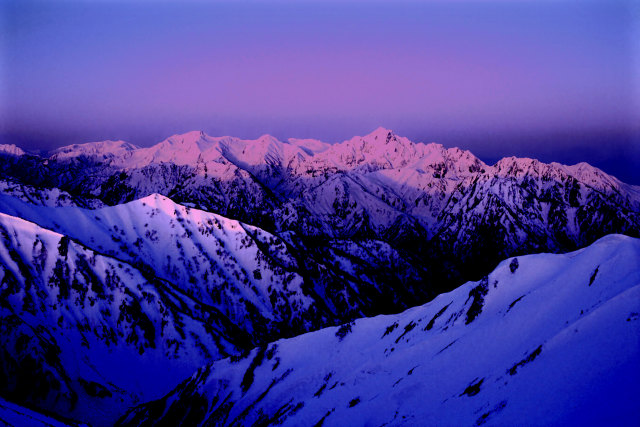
(105,149)
(380,132)
(11,149)
(187,137)
(268,138)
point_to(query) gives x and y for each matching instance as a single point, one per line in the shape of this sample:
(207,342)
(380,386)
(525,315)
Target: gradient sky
(556,80)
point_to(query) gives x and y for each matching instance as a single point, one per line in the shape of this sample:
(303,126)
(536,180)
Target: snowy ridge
(91,331)
(103,150)
(448,211)
(175,284)
(214,260)
(264,283)
(544,339)
(11,149)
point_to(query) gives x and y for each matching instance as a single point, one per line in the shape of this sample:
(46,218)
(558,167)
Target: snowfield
(542,340)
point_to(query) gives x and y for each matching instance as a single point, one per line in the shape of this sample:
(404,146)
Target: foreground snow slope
(544,340)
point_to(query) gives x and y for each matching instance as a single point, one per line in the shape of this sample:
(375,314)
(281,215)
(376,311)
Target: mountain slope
(542,340)
(268,285)
(52,197)
(16,415)
(214,260)
(178,284)
(84,334)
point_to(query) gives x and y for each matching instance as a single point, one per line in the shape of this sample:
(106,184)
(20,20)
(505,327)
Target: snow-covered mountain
(157,285)
(283,284)
(11,149)
(444,207)
(168,258)
(103,150)
(52,197)
(542,340)
(84,334)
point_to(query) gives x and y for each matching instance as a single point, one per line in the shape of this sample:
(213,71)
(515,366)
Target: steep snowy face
(380,149)
(84,334)
(542,340)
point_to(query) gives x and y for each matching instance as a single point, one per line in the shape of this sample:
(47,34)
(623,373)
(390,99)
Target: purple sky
(557,80)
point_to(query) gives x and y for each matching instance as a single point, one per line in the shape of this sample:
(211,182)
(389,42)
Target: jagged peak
(513,160)
(378,137)
(380,131)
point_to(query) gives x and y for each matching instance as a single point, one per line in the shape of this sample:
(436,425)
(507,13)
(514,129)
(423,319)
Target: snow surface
(72,316)
(11,149)
(367,183)
(103,150)
(204,254)
(552,342)
(51,197)
(19,416)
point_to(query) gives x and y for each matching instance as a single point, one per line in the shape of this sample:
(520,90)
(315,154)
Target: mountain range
(524,345)
(199,253)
